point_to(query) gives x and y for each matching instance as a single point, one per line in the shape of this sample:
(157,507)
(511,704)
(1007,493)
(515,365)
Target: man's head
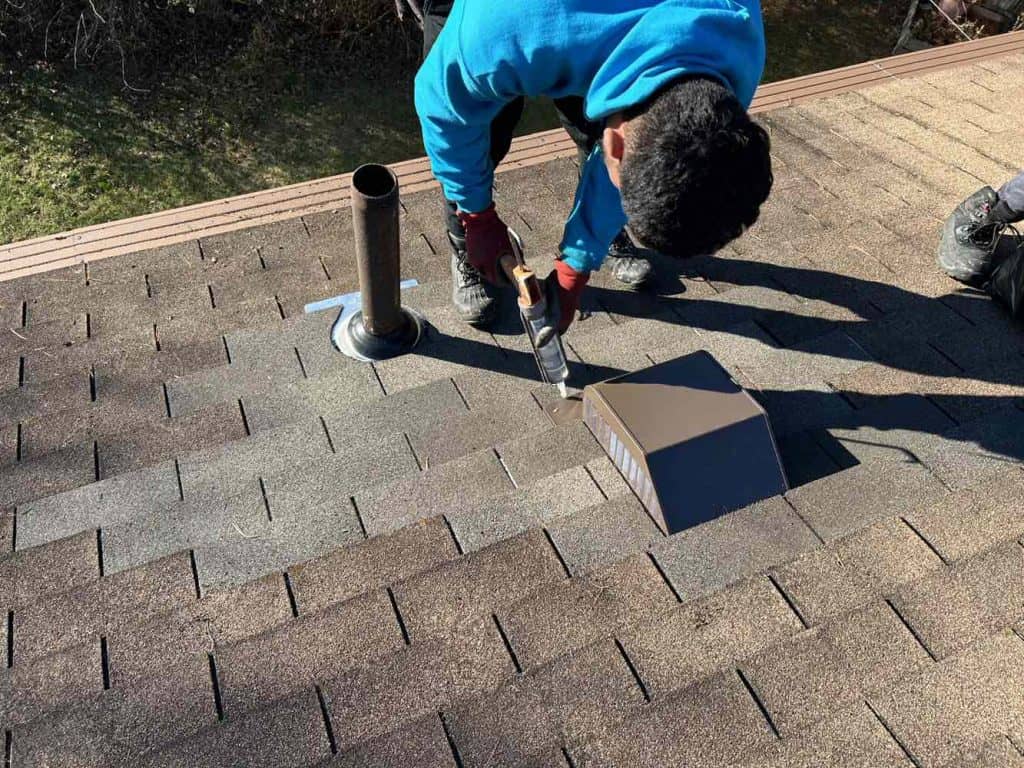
(692,166)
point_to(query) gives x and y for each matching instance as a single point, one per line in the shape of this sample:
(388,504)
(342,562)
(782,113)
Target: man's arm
(596,217)
(455,113)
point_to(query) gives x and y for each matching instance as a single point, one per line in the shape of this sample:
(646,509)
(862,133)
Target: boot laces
(622,247)
(986,235)
(469,275)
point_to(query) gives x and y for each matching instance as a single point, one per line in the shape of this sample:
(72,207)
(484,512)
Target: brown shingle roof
(225,544)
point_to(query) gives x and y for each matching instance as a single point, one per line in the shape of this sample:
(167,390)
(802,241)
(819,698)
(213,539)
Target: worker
(654,93)
(972,248)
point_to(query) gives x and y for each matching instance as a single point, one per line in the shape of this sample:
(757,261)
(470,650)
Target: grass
(806,36)
(84,149)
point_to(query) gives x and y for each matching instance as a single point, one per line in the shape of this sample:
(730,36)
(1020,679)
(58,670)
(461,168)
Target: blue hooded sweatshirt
(613,53)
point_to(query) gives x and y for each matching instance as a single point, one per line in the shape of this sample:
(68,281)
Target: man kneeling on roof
(653,92)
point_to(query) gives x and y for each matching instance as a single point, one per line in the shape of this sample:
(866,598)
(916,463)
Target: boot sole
(486,317)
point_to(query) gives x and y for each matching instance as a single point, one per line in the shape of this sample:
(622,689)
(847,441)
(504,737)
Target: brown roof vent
(689,440)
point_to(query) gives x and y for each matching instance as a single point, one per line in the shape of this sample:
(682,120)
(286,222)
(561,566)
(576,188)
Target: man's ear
(613,144)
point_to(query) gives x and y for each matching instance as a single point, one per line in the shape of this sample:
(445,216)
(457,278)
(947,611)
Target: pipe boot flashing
(382,328)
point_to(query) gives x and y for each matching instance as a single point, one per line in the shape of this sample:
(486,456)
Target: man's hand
(487,241)
(563,288)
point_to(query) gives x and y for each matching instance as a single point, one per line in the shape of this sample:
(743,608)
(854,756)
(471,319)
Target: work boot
(473,298)
(969,237)
(625,262)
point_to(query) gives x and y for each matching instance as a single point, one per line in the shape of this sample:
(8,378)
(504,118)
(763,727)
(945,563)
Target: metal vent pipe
(381,328)
(378,256)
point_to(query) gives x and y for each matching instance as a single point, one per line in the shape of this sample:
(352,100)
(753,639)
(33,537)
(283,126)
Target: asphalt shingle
(603,533)
(62,620)
(551,500)
(412,410)
(62,679)
(963,524)
(98,504)
(423,743)
(700,638)
(568,615)
(377,562)
(954,707)
(421,678)
(977,451)
(234,467)
(59,566)
(44,476)
(538,456)
(184,525)
(121,724)
(721,723)
(704,559)
(288,732)
(856,569)
(998,752)
(854,738)
(569,699)
(854,498)
(308,650)
(491,579)
(822,669)
(463,483)
(966,602)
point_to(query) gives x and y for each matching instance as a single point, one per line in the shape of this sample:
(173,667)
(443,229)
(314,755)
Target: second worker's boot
(969,236)
(625,262)
(474,300)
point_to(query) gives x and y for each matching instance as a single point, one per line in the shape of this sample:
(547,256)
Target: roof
(228,545)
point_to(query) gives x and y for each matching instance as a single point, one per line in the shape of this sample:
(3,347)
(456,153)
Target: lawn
(84,149)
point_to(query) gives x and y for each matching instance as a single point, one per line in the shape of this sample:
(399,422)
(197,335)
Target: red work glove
(565,285)
(486,242)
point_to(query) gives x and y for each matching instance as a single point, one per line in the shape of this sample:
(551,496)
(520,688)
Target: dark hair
(696,170)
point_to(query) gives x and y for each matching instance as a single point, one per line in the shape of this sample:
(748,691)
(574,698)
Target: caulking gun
(544,339)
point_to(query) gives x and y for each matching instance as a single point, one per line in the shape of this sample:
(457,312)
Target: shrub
(146,36)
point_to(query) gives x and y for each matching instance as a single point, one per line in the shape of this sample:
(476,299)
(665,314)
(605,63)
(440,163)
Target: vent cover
(691,443)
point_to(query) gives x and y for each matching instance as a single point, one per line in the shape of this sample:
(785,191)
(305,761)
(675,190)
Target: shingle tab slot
(398,616)
(10,639)
(451,741)
(917,637)
(633,671)
(507,643)
(290,591)
(758,701)
(195,573)
(326,714)
(105,662)
(215,682)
